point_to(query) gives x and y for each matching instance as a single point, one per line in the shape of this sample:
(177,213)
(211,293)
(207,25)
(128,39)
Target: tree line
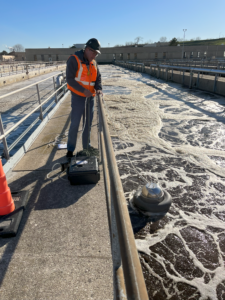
(15,48)
(163,39)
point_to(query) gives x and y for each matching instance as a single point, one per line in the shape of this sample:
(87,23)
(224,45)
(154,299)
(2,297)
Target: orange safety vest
(85,77)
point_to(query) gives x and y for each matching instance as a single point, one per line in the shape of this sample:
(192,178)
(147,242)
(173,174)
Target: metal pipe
(120,288)
(135,284)
(118,272)
(106,179)
(120,285)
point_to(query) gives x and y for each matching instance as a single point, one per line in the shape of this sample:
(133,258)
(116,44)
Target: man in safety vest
(84,81)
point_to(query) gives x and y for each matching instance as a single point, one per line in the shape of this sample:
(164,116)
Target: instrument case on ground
(83,170)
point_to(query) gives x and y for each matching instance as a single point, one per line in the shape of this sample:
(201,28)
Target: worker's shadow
(57,192)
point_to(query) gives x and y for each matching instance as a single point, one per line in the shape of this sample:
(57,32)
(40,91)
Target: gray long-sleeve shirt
(71,70)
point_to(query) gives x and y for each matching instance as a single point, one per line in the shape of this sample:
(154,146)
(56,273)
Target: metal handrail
(5,70)
(28,86)
(3,134)
(191,69)
(30,113)
(219,64)
(132,271)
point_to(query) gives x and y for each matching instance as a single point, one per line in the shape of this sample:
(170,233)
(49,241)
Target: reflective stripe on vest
(81,75)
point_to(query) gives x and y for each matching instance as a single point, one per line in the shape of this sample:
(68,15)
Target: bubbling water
(164,133)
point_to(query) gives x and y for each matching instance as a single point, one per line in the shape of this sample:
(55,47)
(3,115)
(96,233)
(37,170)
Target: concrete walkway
(62,249)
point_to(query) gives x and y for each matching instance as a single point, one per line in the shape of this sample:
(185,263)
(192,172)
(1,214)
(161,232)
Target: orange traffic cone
(6,201)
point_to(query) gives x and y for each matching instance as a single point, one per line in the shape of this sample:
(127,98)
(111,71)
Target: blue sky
(42,24)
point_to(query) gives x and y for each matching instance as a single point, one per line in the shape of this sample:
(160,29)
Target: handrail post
(39,100)
(191,77)
(6,151)
(198,80)
(62,83)
(215,81)
(56,98)
(166,74)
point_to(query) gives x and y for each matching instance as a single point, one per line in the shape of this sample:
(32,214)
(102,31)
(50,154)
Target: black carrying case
(83,170)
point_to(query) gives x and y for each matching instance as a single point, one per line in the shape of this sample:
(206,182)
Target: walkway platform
(62,249)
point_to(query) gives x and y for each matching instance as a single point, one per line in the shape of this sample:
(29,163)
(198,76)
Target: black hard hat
(94,44)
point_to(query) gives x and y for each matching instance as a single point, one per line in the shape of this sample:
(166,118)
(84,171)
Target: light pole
(62,45)
(184,30)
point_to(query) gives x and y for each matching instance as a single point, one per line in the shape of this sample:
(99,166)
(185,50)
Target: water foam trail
(166,133)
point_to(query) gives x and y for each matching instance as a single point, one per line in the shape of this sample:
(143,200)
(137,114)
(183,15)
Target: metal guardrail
(191,70)
(4,134)
(12,69)
(202,63)
(128,274)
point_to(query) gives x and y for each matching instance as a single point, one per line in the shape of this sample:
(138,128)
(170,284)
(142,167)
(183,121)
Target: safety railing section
(59,90)
(155,69)
(191,71)
(202,63)
(128,276)
(13,69)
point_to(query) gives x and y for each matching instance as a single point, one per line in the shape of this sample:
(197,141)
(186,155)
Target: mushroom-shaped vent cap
(152,191)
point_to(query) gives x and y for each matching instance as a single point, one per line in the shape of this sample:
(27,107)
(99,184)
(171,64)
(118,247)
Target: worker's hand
(87,93)
(99,92)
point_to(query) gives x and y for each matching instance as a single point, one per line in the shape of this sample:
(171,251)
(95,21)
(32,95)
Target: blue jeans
(78,109)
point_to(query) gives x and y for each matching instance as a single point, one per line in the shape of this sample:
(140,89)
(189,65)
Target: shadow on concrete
(53,193)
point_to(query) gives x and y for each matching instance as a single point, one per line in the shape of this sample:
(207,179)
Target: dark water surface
(183,252)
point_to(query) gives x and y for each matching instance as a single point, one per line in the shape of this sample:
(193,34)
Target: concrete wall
(20,56)
(47,54)
(130,53)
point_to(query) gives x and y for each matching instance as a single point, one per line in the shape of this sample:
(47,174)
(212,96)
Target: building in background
(7,57)
(132,53)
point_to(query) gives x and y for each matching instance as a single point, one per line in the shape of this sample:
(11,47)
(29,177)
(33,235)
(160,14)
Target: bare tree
(138,39)
(18,48)
(163,39)
(198,38)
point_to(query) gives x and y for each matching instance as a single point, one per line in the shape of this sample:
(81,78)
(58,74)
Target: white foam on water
(174,136)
